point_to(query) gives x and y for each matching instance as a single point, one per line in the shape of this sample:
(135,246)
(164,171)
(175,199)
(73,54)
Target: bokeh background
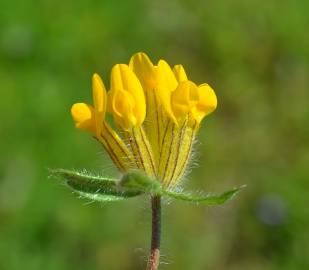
(254,53)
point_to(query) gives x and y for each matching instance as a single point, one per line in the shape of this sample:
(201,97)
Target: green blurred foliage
(255,54)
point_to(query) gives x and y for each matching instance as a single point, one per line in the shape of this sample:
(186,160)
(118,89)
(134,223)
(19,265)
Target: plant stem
(154,256)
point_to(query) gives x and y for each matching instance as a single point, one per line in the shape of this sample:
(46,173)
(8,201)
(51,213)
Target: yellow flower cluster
(157,111)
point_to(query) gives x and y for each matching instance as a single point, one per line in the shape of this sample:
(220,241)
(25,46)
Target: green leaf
(132,184)
(99,197)
(94,187)
(211,199)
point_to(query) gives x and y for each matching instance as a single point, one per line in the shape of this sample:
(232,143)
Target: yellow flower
(126,98)
(158,111)
(87,117)
(92,119)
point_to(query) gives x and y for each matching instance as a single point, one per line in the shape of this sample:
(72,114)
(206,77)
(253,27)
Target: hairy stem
(154,256)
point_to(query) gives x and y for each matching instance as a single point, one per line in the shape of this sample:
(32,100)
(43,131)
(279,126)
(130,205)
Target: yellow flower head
(158,110)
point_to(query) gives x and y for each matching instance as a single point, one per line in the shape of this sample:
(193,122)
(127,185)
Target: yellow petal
(166,76)
(207,102)
(180,73)
(123,78)
(99,101)
(110,95)
(166,84)
(184,98)
(142,66)
(123,105)
(83,116)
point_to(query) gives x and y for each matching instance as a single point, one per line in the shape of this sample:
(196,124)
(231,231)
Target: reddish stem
(154,256)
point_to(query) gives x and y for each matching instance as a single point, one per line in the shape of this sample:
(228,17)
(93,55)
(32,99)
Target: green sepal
(137,179)
(95,187)
(210,199)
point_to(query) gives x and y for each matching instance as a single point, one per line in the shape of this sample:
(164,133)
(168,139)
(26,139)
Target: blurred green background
(254,53)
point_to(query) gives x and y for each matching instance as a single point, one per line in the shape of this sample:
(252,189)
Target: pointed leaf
(99,197)
(95,187)
(210,199)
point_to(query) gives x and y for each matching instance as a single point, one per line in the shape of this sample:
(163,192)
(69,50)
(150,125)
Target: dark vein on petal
(183,167)
(148,151)
(180,139)
(138,150)
(116,142)
(164,137)
(170,152)
(112,154)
